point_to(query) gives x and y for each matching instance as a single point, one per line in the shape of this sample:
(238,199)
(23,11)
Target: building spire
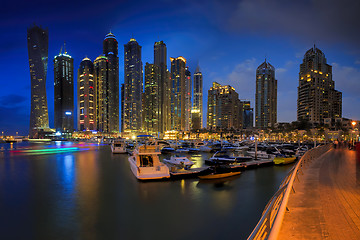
(65,52)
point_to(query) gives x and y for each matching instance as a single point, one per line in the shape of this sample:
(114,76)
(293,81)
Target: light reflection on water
(92,194)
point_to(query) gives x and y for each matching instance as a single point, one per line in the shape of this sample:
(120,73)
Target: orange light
(353,123)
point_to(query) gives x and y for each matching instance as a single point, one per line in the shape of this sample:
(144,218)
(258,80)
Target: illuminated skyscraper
(110,50)
(247,115)
(178,93)
(187,99)
(317,97)
(223,108)
(102,92)
(197,109)
(64,92)
(133,81)
(160,57)
(37,39)
(265,96)
(86,96)
(151,100)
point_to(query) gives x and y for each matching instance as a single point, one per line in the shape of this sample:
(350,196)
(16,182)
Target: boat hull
(219,175)
(284,160)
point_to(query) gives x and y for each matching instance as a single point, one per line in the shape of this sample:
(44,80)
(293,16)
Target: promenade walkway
(326,202)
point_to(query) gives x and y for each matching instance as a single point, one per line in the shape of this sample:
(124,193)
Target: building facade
(224,108)
(265,96)
(151,100)
(110,51)
(102,116)
(178,91)
(248,115)
(187,99)
(133,86)
(317,97)
(197,109)
(37,41)
(86,96)
(160,58)
(64,92)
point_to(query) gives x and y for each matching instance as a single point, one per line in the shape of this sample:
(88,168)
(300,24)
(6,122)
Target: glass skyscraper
(197,109)
(133,86)
(265,96)
(110,50)
(101,89)
(64,92)
(37,41)
(178,91)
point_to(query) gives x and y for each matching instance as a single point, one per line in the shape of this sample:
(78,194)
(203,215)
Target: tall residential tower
(178,93)
(110,50)
(133,86)
(86,96)
(317,97)
(37,39)
(197,109)
(265,96)
(64,92)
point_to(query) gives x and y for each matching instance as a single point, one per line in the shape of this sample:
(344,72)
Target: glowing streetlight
(353,123)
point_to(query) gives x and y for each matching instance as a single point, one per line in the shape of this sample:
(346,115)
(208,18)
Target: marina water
(65,190)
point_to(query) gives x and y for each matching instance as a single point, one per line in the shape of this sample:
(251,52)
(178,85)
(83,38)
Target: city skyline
(243,47)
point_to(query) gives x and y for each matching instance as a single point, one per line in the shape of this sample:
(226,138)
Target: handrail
(272,217)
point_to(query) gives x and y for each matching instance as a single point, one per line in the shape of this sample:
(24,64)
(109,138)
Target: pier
(326,201)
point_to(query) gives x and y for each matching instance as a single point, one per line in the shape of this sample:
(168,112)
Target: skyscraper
(317,97)
(133,81)
(265,96)
(102,93)
(110,50)
(223,108)
(197,109)
(64,92)
(160,57)
(178,92)
(151,100)
(248,115)
(37,39)
(86,96)
(187,99)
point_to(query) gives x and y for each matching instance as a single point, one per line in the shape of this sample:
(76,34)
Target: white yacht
(179,161)
(118,146)
(145,163)
(202,147)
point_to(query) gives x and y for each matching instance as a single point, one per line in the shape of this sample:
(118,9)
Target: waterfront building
(122,107)
(133,86)
(317,97)
(64,92)
(224,108)
(160,57)
(151,100)
(86,96)
(178,92)
(197,109)
(37,41)
(187,99)
(265,96)
(247,115)
(102,117)
(110,51)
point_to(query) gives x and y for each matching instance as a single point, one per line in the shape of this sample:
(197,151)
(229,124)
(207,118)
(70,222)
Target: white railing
(272,217)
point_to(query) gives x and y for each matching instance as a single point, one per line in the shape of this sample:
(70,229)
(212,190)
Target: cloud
(312,21)
(14,119)
(11,100)
(347,79)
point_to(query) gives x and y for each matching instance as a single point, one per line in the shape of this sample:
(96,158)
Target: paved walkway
(326,204)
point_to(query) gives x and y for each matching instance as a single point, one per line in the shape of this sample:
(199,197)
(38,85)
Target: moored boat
(219,175)
(145,163)
(118,146)
(179,161)
(284,160)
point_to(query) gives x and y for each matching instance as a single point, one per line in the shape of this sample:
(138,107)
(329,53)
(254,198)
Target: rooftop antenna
(60,49)
(65,48)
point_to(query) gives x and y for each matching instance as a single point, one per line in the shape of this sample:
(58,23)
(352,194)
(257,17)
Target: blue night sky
(228,39)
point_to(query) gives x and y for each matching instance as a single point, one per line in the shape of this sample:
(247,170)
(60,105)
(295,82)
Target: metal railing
(272,217)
